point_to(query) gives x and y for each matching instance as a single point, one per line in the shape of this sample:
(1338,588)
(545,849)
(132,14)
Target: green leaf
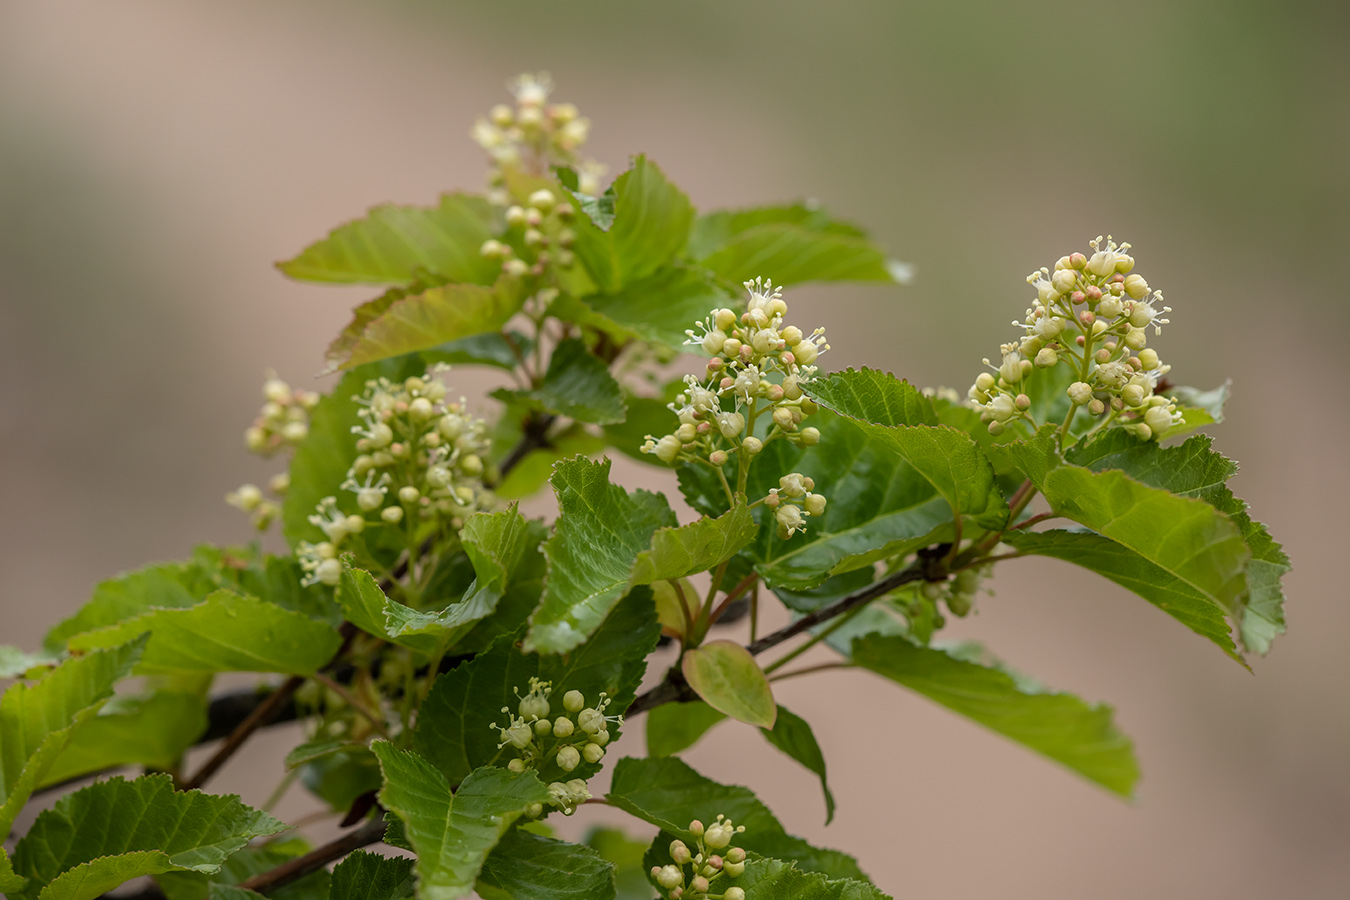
(369,876)
(1198,408)
(10,883)
(495,543)
(700,546)
(491,349)
(1185,537)
(773,879)
(14,663)
(600,531)
(1059,726)
(153,730)
(38,720)
(794,737)
(243,865)
(727,677)
(1194,469)
(674,727)
(392,243)
(577,385)
(879,506)
(713,230)
(434,317)
(892,411)
(791,254)
(453,728)
(669,794)
(651,224)
(660,308)
(108,833)
(161,586)
(1132,571)
(226,632)
(525,866)
(452,832)
(630,878)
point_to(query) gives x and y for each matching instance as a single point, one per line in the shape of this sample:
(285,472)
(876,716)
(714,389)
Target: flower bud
(1158,419)
(805,352)
(687,432)
(1102,263)
(713,342)
(1136,287)
(1064,280)
(679,852)
(984,382)
(1003,408)
(516,765)
(590,720)
(515,216)
(752,445)
(730,424)
(718,458)
(1046,358)
(519,735)
(731,347)
(408,494)
(568,758)
(1133,395)
(543,727)
(392,514)
(718,836)
(1124,263)
(696,828)
(815,504)
(699,884)
(542,200)
(1148,358)
(810,436)
(1135,339)
(593,753)
(1096,407)
(724,319)
(1080,392)
(668,448)
(1109,307)
(782,417)
(562,726)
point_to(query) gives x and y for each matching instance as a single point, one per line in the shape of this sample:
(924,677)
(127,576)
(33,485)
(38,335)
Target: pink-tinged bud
(776,393)
(1087,317)
(715,363)
(704,427)
(726,383)
(789,358)
(718,457)
(1080,340)
(1078,297)
(1077,260)
(1094,293)
(1096,407)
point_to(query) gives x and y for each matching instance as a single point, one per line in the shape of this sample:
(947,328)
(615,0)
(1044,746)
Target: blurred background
(156,157)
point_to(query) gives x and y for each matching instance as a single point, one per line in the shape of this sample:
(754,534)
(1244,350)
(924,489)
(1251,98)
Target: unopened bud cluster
(957,593)
(1091,314)
(541,229)
(757,370)
(792,501)
(535,136)
(420,465)
(579,734)
(703,871)
(282,424)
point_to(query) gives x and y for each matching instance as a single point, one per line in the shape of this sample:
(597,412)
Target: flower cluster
(581,733)
(282,424)
(792,501)
(541,228)
(756,374)
(420,466)
(535,137)
(712,859)
(1091,314)
(958,593)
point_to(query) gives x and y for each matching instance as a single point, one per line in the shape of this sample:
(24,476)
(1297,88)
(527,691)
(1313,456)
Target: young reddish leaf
(725,675)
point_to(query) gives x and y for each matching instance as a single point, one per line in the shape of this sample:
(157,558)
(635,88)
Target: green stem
(815,639)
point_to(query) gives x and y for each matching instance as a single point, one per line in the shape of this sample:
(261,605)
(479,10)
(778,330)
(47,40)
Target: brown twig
(293,869)
(255,720)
